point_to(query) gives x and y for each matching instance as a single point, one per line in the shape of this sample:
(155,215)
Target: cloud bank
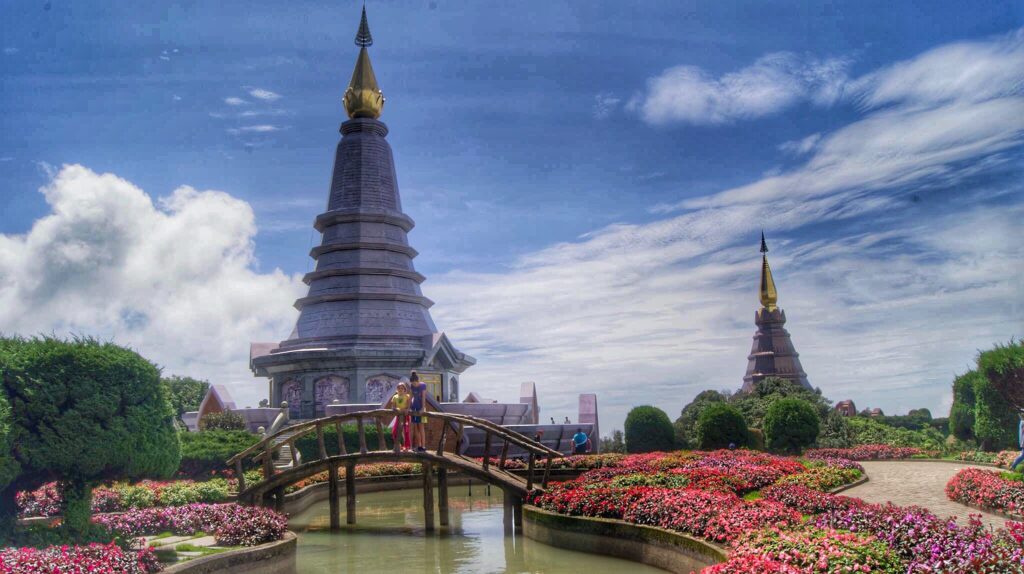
(175,279)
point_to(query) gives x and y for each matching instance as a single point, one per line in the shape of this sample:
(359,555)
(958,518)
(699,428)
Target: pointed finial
(363,98)
(769,296)
(363,37)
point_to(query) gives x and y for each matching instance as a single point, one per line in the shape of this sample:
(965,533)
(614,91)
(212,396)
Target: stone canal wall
(271,558)
(649,545)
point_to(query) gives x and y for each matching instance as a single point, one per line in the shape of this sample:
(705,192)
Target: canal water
(389,537)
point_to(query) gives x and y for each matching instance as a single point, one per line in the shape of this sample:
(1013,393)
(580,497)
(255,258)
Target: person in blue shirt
(580,440)
(1020,441)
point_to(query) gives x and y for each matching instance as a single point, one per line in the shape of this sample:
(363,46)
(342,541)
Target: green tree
(614,443)
(225,421)
(995,422)
(1004,367)
(82,412)
(184,393)
(961,414)
(754,404)
(686,425)
(836,432)
(648,429)
(790,425)
(8,464)
(720,425)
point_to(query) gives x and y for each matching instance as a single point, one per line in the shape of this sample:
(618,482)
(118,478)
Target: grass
(752,495)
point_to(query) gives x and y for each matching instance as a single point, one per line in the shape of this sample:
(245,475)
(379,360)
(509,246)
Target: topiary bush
(790,425)
(83,411)
(995,422)
(648,429)
(225,421)
(720,425)
(961,414)
(204,453)
(1004,367)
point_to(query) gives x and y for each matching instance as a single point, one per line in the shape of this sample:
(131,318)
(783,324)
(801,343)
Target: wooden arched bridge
(444,455)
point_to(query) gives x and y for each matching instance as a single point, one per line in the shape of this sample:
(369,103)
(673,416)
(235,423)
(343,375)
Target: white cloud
(175,279)
(257,129)
(10,51)
(774,82)
(605,104)
(233,101)
(801,146)
(265,95)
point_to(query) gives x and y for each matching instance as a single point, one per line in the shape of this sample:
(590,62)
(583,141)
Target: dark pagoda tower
(364,324)
(772,354)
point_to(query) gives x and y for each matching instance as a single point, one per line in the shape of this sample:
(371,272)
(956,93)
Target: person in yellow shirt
(401,401)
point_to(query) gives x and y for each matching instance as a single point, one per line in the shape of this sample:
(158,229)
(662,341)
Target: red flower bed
(866,452)
(807,500)
(986,489)
(94,559)
(230,524)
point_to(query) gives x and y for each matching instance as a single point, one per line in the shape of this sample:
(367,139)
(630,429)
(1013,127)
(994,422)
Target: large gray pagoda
(364,324)
(772,354)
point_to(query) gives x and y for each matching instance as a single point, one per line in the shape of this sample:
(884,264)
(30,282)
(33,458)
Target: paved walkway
(917,483)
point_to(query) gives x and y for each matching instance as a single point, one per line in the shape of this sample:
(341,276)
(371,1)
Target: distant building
(846,408)
(876,412)
(772,354)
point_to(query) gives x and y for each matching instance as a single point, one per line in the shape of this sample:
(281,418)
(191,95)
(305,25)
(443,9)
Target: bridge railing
(263,451)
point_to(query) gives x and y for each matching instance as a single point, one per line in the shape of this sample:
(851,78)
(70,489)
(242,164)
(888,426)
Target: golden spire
(363,98)
(769,297)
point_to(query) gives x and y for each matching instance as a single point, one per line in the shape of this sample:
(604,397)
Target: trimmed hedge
(720,425)
(648,429)
(790,425)
(204,453)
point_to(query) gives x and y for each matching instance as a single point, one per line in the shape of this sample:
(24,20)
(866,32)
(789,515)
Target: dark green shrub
(225,421)
(685,426)
(836,432)
(1004,367)
(310,450)
(995,421)
(720,425)
(790,425)
(648,430)
(204,453)
(868,430)
(184,393)
(83,412)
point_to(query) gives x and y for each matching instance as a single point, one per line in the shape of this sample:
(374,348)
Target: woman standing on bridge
(401,401)
(419,404)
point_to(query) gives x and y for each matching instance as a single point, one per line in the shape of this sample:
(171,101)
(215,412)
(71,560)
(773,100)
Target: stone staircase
(280,445)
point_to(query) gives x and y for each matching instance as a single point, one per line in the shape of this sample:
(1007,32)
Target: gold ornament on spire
(769,296)
(363,98)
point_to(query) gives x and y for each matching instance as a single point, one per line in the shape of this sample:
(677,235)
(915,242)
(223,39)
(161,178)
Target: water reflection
(390,538)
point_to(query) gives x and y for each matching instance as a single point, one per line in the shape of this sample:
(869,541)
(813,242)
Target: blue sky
(588,182)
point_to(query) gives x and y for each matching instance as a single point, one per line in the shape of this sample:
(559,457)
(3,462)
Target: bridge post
(517,506)
(350,492)
(335,504)
(279,499)
(508,516)
(442,495)
(428,497)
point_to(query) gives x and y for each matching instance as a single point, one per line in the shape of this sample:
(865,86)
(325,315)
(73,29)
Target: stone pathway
(918,483)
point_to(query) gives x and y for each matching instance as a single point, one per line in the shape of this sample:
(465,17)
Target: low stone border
(270,558)
(846,487)
(658,547)
(1005,515)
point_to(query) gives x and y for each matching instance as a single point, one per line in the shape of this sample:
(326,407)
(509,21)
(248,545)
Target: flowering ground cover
(987,489)
(94,558)
(230,524)
(47,500)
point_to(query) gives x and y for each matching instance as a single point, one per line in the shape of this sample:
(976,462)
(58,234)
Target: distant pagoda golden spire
(363,98)
(769,296)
